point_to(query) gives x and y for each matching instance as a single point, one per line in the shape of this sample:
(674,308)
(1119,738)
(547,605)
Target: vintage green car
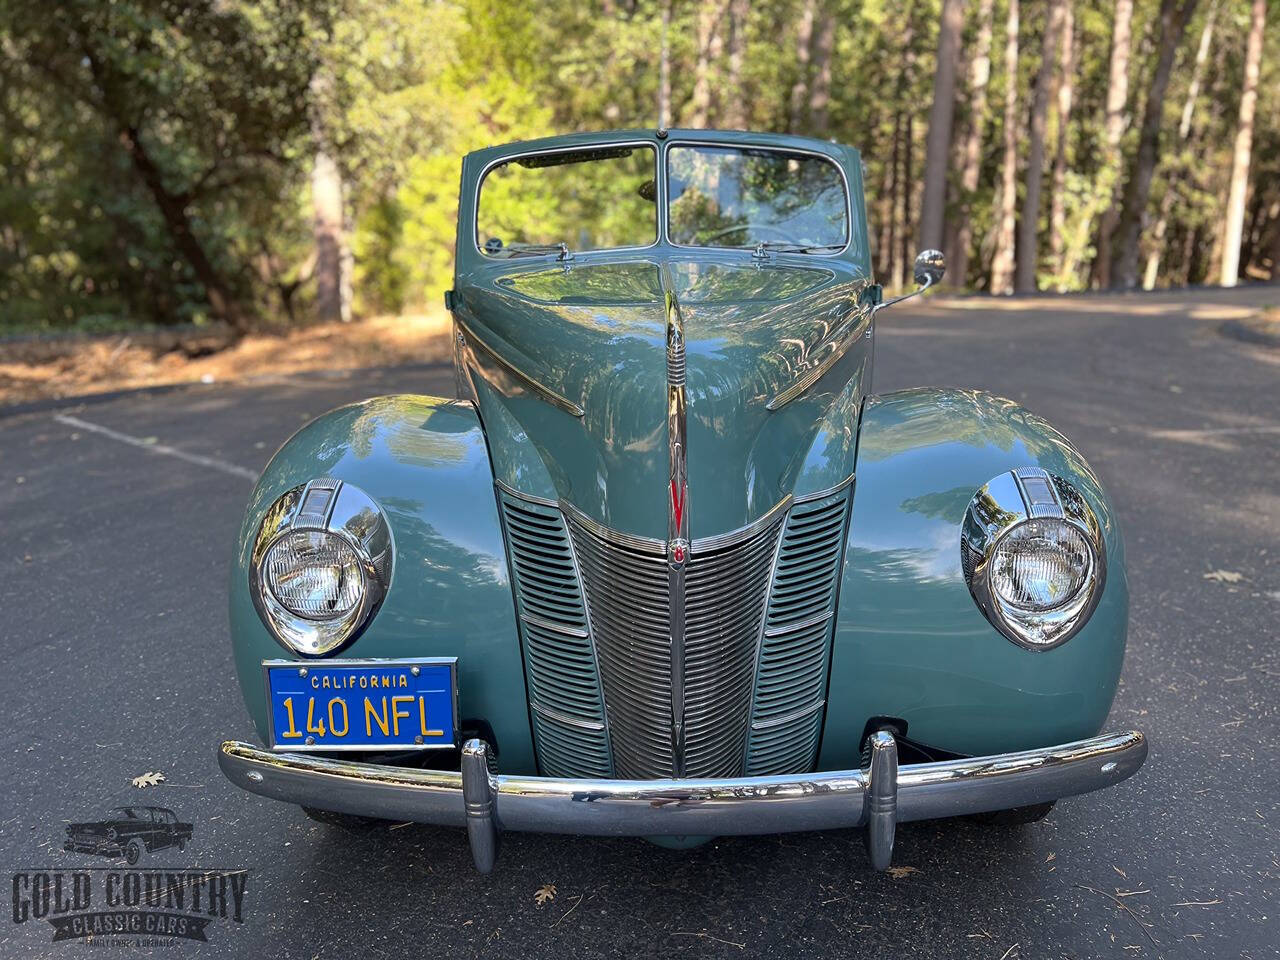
(666,567)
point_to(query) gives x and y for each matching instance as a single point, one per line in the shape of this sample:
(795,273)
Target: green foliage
(156,155)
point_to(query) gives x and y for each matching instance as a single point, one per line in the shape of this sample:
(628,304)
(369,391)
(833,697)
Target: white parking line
(157,447)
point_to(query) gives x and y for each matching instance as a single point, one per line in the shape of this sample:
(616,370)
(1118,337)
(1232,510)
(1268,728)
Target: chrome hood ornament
(677,515)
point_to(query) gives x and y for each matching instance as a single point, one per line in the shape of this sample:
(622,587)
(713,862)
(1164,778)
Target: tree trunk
(800,89)
(1029,226)
(894,268)
(1275,242)
(905,233)
(971,154)
(938,141)
(328,201)
(1006,217)
(710,43)
(1159,236)
(174,211)
(734,115)
(820,94)
(1243,149)
(333,303)
(664,69)
(1133,215)
(1117,120)
(1066,96)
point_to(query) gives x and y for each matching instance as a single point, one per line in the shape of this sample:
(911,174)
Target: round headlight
(321,566)
(1040,565)
(314,574)
(1033,557)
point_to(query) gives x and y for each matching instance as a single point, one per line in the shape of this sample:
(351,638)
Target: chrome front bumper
(877,798)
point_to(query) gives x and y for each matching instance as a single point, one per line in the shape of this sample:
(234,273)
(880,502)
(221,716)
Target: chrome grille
(626,587)
(560,668)
(724,606)
(790,682)
(627,593)
(759,615)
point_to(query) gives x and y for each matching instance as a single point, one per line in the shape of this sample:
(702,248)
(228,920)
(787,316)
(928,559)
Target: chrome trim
(536,621)
(527,497)
(626,596)
(627,541)
(1000,506)
(839,346)
(565,718)
(302,665)
(677,515)
(882,799)
(479,801)
(788,718)
(471,342)
(531,549)
(829,492)
(802,625)
(736,806)
(344,511)
(720,541)
(658,178)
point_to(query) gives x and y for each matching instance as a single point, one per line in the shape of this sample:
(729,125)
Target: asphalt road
(114,661)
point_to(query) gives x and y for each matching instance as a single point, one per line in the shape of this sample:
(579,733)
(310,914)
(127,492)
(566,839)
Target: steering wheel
(750,229)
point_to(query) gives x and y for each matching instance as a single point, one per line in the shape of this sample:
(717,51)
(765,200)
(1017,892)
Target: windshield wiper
(765,247)
(534,249)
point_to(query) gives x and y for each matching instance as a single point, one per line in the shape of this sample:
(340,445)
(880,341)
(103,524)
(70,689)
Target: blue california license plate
(362,704)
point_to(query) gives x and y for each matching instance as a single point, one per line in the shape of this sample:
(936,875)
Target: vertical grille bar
(795,646)
(566,703)
(627,593)
(726,594)
(627,589)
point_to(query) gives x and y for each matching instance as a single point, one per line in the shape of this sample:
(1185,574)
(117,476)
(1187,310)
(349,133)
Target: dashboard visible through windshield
(606,198)
(598,198)
(744,197)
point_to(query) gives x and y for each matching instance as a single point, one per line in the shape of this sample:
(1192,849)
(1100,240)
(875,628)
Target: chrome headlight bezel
(1006,503)
(336,509)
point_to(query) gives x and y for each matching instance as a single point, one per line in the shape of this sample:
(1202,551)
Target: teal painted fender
(425,462)
(910,643)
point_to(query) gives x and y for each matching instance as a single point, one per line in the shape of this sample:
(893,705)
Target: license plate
(362,704)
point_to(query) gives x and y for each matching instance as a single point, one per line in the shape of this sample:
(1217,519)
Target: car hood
(595,336)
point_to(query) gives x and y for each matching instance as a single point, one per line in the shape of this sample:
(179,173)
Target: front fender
(910,643)
(424,461)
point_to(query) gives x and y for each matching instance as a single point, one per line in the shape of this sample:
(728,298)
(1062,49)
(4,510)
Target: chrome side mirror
(931,266)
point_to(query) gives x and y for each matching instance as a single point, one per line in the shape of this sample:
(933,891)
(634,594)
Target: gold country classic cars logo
(131,903)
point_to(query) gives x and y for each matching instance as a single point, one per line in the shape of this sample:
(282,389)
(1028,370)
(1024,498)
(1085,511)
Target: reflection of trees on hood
(969,417)
(436,576)
(943,505)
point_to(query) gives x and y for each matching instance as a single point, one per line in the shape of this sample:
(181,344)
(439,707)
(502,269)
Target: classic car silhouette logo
(134,903)
(129,832)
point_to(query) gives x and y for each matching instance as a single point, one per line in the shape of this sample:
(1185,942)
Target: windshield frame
(660,181)
(769,148)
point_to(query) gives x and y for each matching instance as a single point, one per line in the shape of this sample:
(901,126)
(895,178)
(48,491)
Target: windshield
(728,197)
(593,199)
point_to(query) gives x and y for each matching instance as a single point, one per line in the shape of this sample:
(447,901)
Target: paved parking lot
(116,526)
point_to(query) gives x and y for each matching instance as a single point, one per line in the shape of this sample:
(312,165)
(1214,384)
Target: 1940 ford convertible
(666,566)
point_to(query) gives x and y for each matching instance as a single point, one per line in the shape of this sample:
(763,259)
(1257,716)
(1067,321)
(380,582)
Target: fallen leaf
(899,872)
(1051,857)
(1224,576)
(148,779)
(546,893)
